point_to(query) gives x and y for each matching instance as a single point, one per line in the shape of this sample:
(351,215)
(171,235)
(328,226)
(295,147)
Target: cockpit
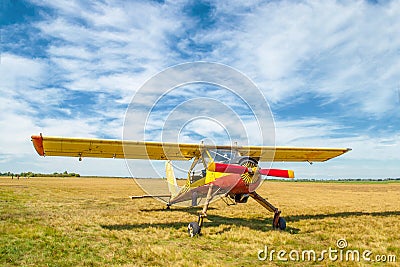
(199,166)
(221,155)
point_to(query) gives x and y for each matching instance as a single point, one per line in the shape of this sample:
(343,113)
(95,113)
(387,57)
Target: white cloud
(110,47)
(371,156)
(322,133)
(332,49)
(27,107)
(19,73)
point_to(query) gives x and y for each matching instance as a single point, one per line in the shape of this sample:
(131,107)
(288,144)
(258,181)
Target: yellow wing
(292,154)
(105,148)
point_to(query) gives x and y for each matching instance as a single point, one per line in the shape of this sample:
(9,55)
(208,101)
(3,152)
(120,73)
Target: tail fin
(172,184)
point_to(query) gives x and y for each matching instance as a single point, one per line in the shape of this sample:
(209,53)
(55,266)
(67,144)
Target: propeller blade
(227,168)
(277,173)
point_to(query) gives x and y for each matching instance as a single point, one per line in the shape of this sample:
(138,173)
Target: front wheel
(193,229)
(281,224)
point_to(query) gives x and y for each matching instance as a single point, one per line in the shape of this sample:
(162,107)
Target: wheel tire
(281,223)
(193,229)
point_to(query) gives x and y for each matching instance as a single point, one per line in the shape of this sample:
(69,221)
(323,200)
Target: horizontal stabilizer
(149,196)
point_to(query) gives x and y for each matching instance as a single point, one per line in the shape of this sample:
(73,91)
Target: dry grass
(91,221)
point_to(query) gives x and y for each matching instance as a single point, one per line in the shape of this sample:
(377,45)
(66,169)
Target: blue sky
(329,70)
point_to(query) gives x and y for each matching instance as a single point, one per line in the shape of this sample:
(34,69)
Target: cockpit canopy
(213,155)
(219,155)
(199,165)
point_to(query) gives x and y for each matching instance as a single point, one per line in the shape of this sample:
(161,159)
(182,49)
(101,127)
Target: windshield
(219,155)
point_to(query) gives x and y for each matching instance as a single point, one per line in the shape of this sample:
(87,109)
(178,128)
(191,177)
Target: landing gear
(194,228)
(278,222)
(281,224)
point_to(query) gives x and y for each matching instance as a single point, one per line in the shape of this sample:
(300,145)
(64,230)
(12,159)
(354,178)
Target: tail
(172,184)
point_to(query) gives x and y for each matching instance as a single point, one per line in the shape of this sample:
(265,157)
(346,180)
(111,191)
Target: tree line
(32,174)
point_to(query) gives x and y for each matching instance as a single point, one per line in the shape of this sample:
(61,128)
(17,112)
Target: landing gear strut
(278,222)
(194,228)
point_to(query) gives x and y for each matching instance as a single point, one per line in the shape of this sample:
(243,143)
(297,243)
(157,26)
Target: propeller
(277,173)
(228,168)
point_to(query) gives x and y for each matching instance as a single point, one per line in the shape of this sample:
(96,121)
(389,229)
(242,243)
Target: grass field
(91,221)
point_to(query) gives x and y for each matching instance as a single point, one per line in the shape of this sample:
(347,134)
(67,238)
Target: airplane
(231,171)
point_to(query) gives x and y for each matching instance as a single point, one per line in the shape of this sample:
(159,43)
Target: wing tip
(37,141)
